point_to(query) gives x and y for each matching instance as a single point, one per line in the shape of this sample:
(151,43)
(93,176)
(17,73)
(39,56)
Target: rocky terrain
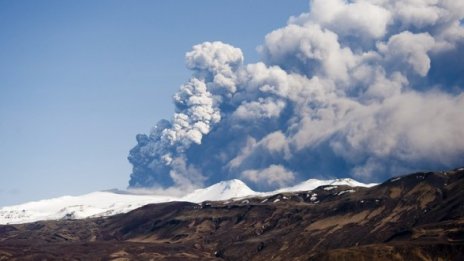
(414,217)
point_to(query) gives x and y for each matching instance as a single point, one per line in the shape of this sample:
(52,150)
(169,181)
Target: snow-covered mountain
(96,204)
(221,191)
(107,203)
(311,184)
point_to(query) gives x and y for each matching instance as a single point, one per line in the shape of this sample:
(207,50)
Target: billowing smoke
(364,89)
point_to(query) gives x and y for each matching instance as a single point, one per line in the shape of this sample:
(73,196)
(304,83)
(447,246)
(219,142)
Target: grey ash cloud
(362,89)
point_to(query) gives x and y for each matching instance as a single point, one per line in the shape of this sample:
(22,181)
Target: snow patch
(330,188)
(346,191)
(313,197)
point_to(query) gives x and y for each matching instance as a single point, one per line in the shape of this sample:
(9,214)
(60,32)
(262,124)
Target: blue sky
(355,89)
(79,79)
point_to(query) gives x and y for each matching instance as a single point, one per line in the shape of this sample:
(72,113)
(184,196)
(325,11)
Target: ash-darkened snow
(365,89)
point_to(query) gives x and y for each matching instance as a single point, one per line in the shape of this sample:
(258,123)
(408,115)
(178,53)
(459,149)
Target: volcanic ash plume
(365,89)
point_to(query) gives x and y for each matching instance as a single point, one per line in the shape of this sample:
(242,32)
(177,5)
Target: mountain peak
(223,190)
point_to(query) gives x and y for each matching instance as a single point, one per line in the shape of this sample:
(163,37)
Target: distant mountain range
(111,202)
(414,217)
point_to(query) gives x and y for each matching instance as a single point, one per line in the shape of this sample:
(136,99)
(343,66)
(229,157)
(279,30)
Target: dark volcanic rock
(415,217)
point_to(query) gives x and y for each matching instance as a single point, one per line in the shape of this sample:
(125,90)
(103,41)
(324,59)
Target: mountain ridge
(111,202)
(414,217)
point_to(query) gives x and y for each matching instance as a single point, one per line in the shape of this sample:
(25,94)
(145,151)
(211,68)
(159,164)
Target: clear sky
(79,79)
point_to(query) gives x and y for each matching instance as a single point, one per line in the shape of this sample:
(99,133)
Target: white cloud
(216,60)
(411,127)
(274,175)
(358,18)
(357,88)
(409,48)
(196,114)
(260,109)
(309,50)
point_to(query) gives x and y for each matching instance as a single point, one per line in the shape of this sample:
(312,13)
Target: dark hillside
(414,217)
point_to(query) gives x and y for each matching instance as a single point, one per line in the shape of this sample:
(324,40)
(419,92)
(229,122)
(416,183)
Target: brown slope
(416,217)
